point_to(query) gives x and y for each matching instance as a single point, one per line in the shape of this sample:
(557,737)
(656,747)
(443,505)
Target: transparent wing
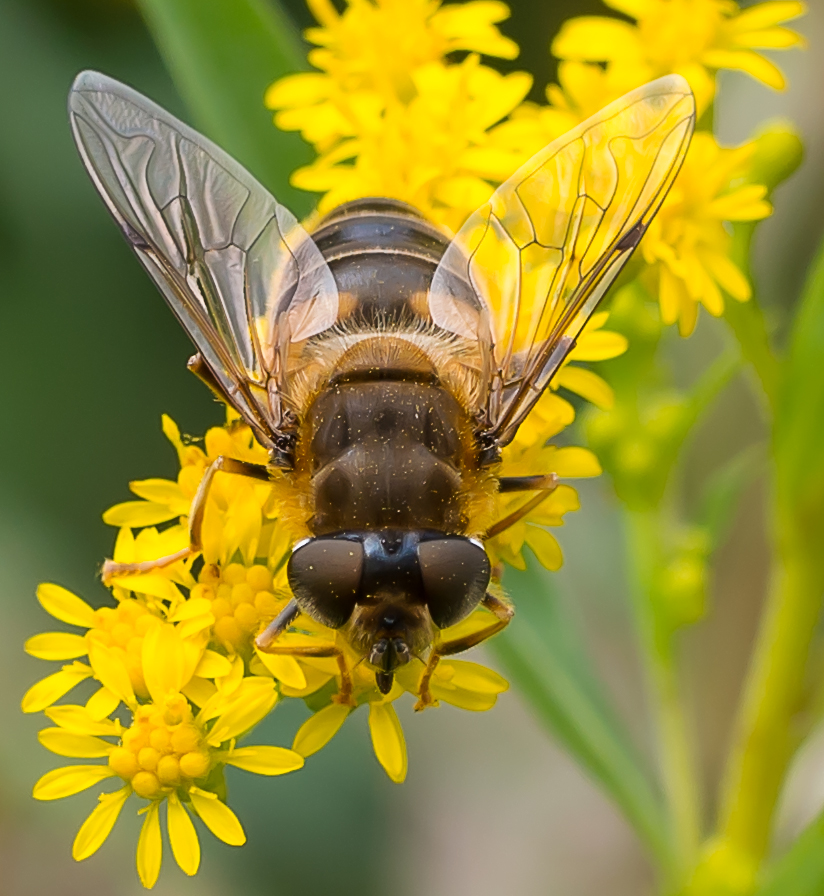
(239,272)
(540,255)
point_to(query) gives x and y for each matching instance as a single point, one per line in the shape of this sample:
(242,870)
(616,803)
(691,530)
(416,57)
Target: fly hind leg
(219,465)
(503,613)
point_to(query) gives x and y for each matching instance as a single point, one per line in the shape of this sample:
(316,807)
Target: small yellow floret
(194,764)
(123,762)
(145,784)
(148,758)
(168,770)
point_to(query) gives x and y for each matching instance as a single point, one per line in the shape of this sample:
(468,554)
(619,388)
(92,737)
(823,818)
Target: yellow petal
(316,732)
(77,746)
(671,289)
(150,847)
(211,534)
(265,760)
(70,779)
(136,514)
(97,826)
(64,605)
(768,39)
(304,89)
(244,520)
(218,817)
(182,836)
(213,665)
(545,547)
(474,677)
(53,687)
(172,433)
(469,700)
(244,713)
(102,703)
(599,346)
(153,584)
(728,274)
(110,670)
(595,39)
(575,462)
(285,668)
(163,662)
(387,740)
(753,64)
(199,691)
(77,720)
(744,204)
(773,12)
(191,608)
(588,385)
(56,646)
(159,491)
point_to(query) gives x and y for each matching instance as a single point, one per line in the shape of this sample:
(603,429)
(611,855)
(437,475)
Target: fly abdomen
(386,454)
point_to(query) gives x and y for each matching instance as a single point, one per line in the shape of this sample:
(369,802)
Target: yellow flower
(431,151)
(118,632)
(389,115)
(460,683)
(694,38)
(367,55)
(687,245)
(167,754)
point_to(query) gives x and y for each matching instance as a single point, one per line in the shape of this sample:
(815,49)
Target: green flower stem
(748,325)
(678,767)
(768,731)
(746,320)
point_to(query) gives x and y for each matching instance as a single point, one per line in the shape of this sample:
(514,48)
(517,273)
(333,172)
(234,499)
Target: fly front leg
(320,651)
(544,485)
(503,614)
(219,465)
(278,626)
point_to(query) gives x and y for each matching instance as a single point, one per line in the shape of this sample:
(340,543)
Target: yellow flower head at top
(389,114)
(694,38)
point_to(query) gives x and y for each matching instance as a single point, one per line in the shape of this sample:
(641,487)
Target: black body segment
(385,454)
(382,254)
(391,574)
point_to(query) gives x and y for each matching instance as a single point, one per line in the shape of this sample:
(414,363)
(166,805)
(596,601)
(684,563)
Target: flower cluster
(391,114)
(401,118)
(172,675)
(602,58)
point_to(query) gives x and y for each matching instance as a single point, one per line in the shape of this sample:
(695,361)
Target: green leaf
(800,871)
(542,654)
(799,422)
(222,55)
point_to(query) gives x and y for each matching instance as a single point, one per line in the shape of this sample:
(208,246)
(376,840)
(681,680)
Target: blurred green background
(91,358)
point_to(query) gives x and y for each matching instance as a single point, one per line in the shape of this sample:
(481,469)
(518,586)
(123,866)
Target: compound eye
(325,577)
(455,574)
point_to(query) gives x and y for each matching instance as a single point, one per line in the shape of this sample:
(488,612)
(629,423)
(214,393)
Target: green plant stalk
(748,325)
(677,763)
(768,732)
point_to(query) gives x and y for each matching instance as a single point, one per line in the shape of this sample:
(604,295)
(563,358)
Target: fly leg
(277,626)
(265,642)
(544,485)
(503,614)
(320,651)
(196,512)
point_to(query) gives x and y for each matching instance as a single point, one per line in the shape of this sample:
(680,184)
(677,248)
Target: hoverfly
(382,365)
